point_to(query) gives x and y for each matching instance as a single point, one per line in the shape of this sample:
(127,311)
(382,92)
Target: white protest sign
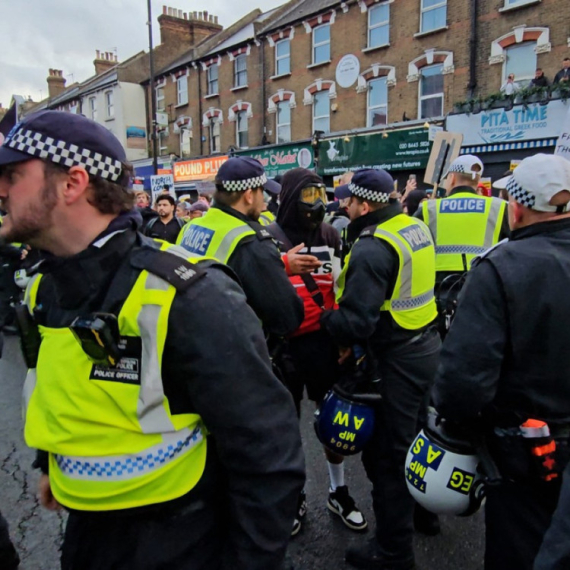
(563,144)
(157,184)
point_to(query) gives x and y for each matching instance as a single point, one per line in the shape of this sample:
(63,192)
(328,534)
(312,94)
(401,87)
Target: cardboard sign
(445,150)
(563,144)
(157,184)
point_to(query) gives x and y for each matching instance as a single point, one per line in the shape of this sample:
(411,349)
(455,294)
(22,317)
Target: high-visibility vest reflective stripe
(412,304)
(112,439)
(216,235)
(266,218)
(463,224)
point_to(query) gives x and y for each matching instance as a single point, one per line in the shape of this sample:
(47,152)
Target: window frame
(279,58)
(278,125)
(163,136)
(93,108)
(439,5)
(210,81)
(370,108)
(237,72)
(182,80)
(424,97)
(320,44)
(110,104)
(213,137)
(183,130)
(376,26)
(525,80)
(323,93)
(160,99)
(242,115)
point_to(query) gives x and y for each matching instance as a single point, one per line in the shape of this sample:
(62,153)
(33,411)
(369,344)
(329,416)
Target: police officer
(503,368)
(231,233)
(272,190)
(150,386)
(463,224)
(386,303)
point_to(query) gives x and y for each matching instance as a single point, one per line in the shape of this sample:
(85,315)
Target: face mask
(311,216)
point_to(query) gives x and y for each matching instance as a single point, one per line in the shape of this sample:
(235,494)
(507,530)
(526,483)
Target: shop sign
(521,123)
(191,170)
(400,150)
(563,144)
(279,160)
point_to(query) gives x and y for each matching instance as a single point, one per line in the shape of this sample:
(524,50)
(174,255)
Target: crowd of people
(169,349)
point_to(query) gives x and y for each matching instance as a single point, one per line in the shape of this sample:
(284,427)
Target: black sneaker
(426,522)
(369,557)
(342,504)
(301,512)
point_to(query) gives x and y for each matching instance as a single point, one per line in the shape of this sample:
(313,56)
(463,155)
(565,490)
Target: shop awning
(499,147)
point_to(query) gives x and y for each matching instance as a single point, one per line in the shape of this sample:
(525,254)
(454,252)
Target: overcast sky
(37,35)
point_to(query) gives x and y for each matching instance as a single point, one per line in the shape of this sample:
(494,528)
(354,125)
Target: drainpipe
(264,110)
(473,50)
(199,68)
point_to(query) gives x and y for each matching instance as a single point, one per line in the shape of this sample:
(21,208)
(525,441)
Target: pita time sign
(191,170)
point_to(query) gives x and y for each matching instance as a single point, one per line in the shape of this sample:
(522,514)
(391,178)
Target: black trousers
(9,559)
(554,553)
(516,518)
(407,374)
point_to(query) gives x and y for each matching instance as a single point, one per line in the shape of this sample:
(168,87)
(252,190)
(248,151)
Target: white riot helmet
(443,473)
(21,278)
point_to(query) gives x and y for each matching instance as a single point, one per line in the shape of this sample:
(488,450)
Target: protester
(413,200)
(510,87)
(142,201)
(539,79)
(166,226)
(564,74)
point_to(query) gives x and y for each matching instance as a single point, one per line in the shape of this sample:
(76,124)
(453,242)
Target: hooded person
(312,253)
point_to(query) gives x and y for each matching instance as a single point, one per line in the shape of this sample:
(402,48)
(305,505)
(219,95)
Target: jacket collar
(541,228)
(466,189)
(357,226)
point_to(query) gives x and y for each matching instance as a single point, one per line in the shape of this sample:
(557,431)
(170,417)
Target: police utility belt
(531,452)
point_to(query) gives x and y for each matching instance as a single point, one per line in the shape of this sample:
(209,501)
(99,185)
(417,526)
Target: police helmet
(443,472)
(343,423)
(21,278)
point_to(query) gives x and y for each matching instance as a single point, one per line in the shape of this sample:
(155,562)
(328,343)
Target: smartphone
(412,177)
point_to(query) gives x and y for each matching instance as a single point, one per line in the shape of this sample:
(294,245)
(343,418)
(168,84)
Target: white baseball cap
(536,180)
(464,165)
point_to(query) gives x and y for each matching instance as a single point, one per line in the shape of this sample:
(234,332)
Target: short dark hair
(566,59)
(166,197)
(372,205)
(108,197)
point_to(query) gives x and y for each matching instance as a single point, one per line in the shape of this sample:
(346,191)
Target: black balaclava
(289,216)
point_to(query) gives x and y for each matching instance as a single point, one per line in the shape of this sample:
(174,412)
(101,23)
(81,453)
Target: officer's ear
(249,196)
(76,184)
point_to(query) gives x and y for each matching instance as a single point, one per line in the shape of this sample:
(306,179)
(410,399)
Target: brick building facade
(411,60)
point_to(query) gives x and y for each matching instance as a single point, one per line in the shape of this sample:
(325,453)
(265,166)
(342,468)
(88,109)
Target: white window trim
(316,45)
(240,57)
(188,129)
(278,98)
(362,85)
(242,131)
(212,138)
(278,125)
(429,56)
(429,9)
(425,97)
(209,81)
(278,58)
(370,108)
(159,109)
(320,116)
(110,115)
(93,108)
(517,4)
(212,115)
(182,80)
(543,44)
(370,28)
(525,79)
(321,85)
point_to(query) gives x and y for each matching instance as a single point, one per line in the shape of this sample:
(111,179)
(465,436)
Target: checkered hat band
(461,169)
(521,195)
(243,185)
(368,194)
(65,154)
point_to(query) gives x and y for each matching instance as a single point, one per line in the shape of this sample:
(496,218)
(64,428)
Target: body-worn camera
(99,336)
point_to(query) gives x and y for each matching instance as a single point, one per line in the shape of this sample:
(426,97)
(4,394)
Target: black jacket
(370,280)
(215,364)
(506,355)
(147,214)
(261,272)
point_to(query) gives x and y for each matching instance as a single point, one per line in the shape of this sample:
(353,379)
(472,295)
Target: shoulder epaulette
(484,255)
(170,265)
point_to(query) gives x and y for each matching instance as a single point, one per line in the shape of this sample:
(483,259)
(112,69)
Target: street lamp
(152,93)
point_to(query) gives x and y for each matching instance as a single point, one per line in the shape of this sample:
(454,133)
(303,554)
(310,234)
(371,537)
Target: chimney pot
(205,16)
(215,19)
(97,54)
(195,15)
(200,16)
(180,14)
(163,9)
(185,16)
